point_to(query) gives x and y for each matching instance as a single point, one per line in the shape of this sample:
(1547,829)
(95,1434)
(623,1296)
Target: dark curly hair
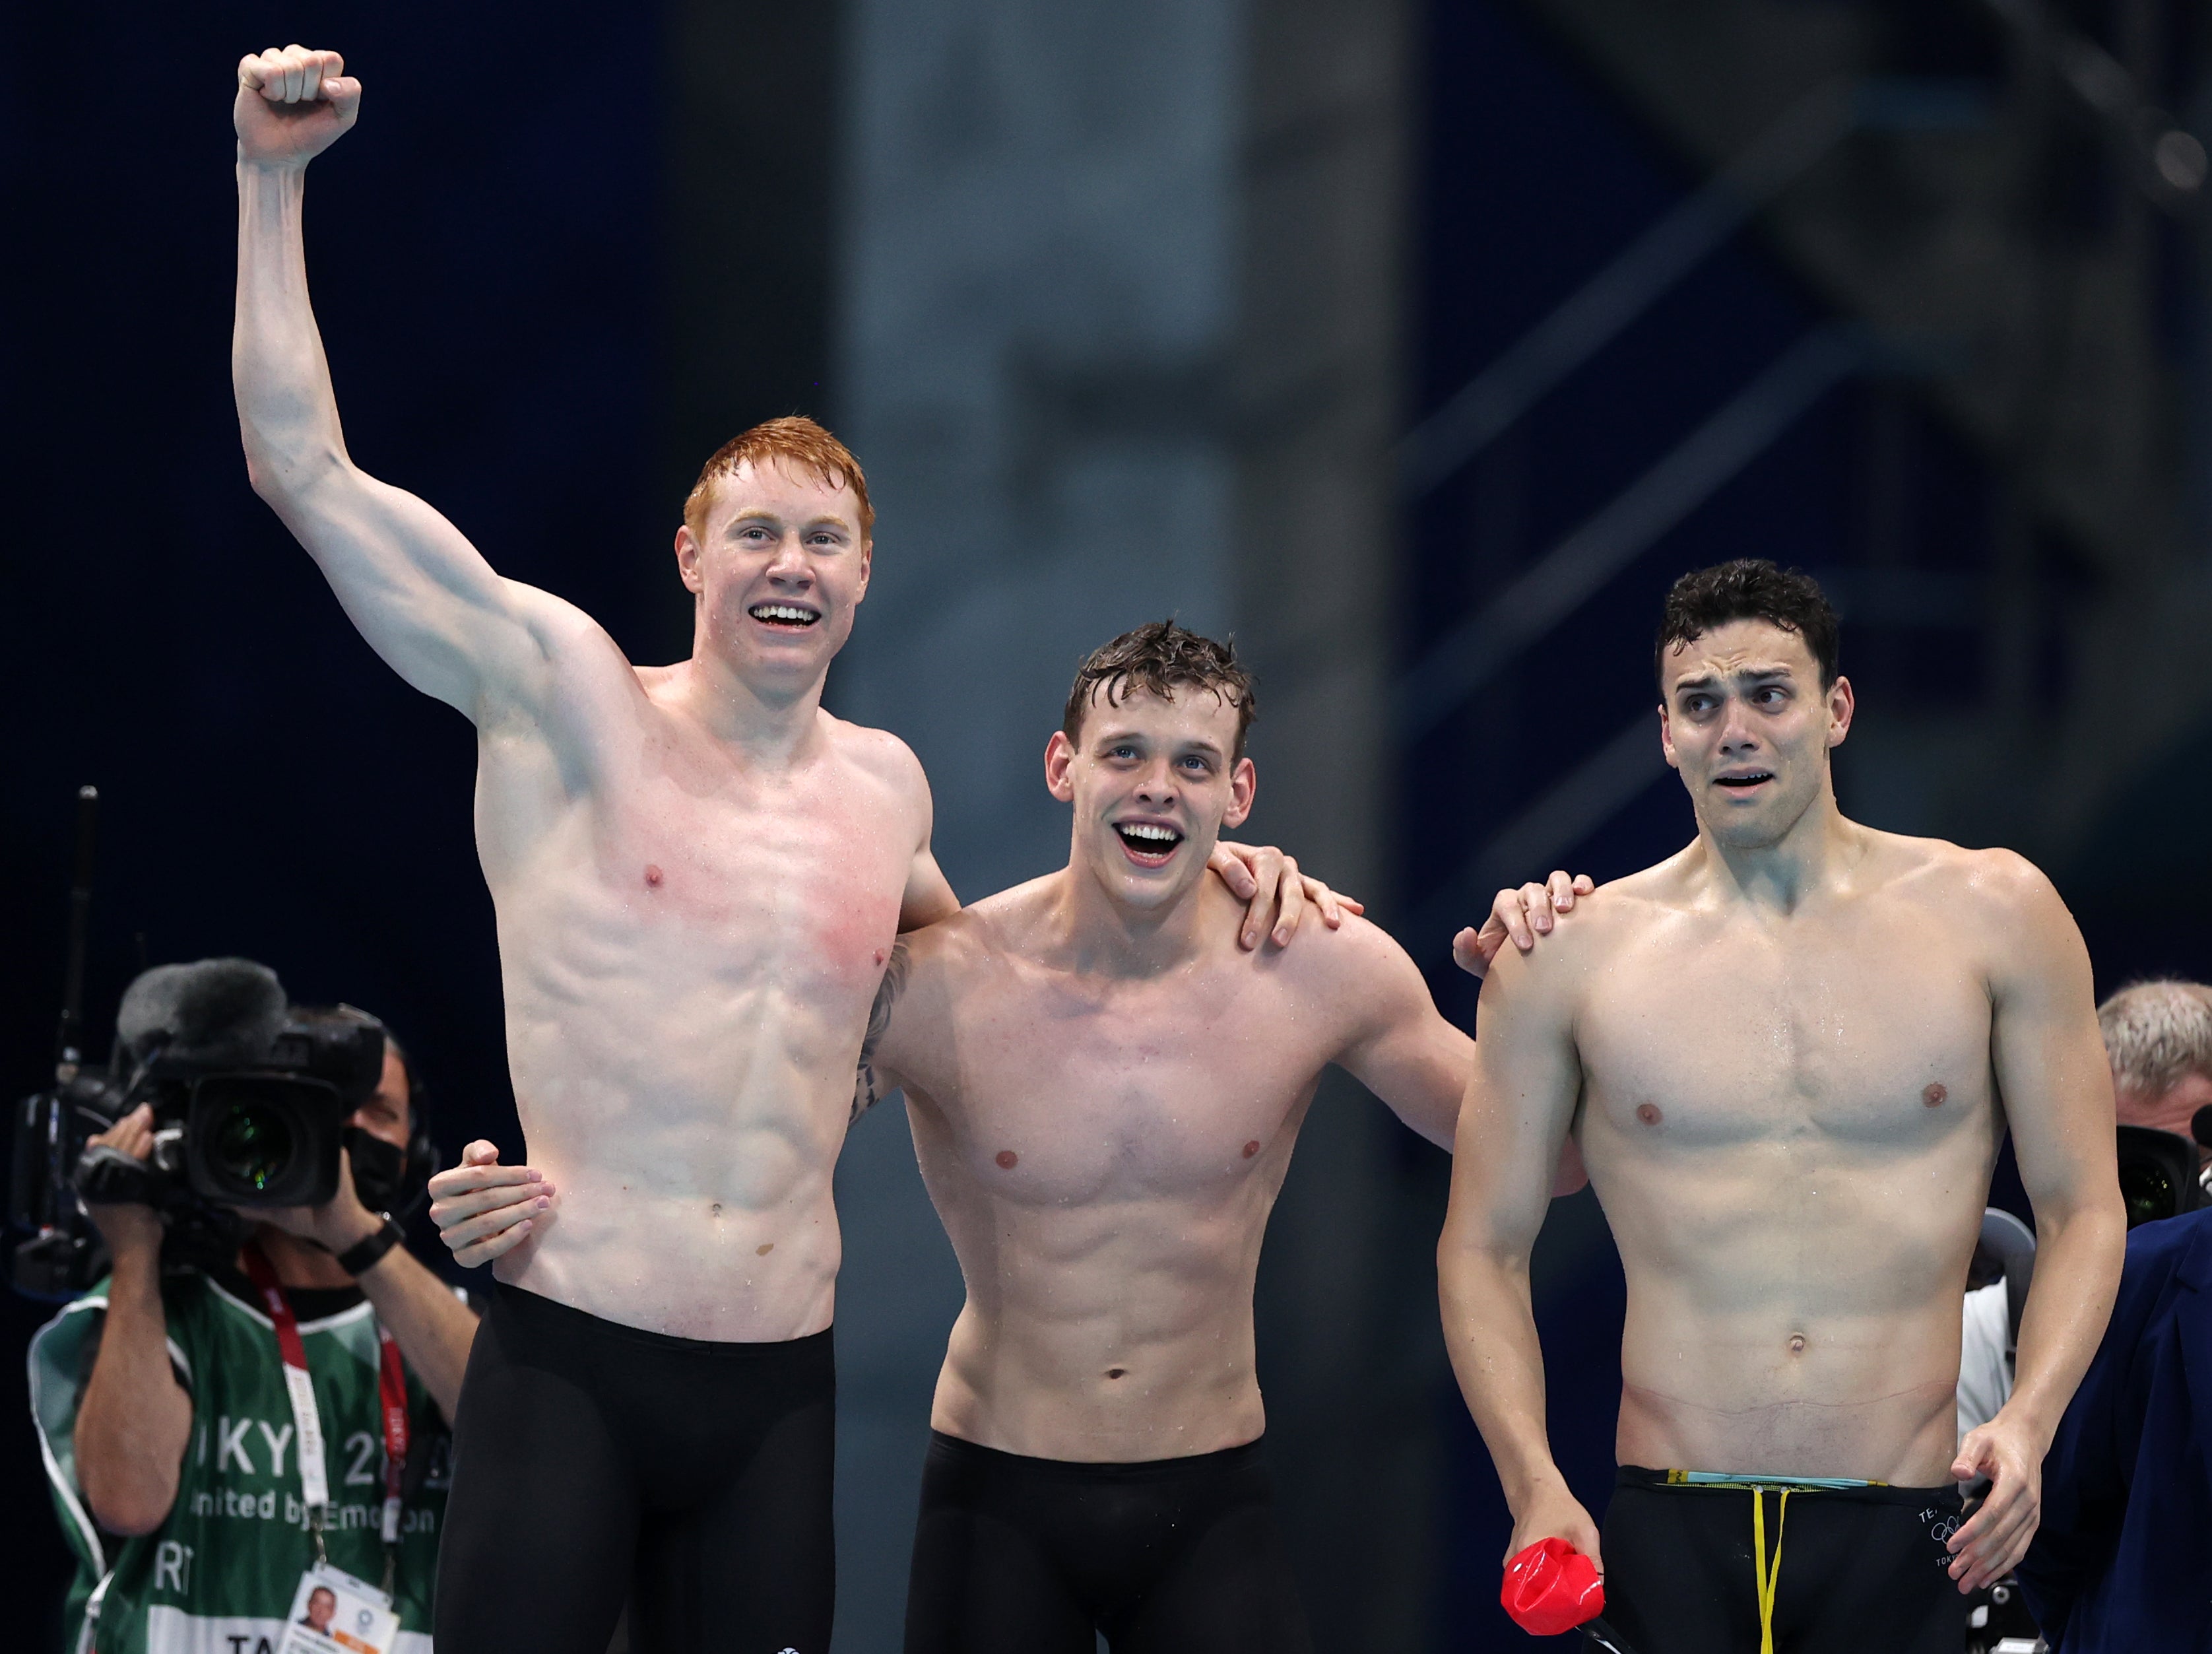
(1161,657)
(1750,588)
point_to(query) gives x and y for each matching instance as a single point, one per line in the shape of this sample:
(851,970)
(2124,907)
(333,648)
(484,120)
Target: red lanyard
(306,1417)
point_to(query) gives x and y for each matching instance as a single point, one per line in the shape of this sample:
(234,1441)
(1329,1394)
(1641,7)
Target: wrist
(381,1242)
(340,1233)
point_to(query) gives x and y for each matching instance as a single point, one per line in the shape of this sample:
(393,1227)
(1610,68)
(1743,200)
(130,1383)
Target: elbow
(130,1505)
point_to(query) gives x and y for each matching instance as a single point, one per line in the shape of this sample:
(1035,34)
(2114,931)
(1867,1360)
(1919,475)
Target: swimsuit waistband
(1691,1481)
(1224,1459)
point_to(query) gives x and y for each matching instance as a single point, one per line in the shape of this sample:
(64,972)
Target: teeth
(1145,830)
(781,611)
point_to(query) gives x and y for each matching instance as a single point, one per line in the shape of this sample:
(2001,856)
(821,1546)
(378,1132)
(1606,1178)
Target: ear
(687,561)
(1243,780)
(1667,738)
(1843,705)
(1059,755)
(867,563)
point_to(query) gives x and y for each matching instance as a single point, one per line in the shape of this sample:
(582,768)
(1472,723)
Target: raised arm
(2055,1085)
(1518,1107)
(421,595)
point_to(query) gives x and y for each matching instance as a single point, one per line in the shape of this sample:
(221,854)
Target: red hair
(795,441)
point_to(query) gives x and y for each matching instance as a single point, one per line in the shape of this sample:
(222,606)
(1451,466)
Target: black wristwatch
(362,1257)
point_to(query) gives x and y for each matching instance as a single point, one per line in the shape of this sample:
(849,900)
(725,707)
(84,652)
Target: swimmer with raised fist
(699,876)
(1788,1055)
(1104,1090)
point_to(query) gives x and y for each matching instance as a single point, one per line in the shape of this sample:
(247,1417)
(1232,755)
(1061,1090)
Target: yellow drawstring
(1768,1583)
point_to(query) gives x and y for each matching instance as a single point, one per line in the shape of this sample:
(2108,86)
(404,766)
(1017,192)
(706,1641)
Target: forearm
(1490,1330)
(2077,1272)
(287,411)
(136,1420)
(432,1327)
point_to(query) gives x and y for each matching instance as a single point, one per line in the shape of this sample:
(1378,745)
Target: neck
(1780,875)
(764,721)
(298,1263)
(1111,938)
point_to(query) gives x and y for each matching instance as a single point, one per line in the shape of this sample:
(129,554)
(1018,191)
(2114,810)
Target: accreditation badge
(334,1613)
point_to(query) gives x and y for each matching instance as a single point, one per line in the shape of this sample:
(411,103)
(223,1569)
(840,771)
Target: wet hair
(1749,588)
(1160,658)
(2157,1034)
(795,440)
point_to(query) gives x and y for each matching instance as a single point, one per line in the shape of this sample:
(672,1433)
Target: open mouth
(1148,843)
(1746,781)
(790,616)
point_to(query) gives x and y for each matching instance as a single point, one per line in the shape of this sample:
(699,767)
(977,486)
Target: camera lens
(253,1144)
(2147,1191)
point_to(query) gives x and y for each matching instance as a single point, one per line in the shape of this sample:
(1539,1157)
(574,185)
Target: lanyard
(308,1419)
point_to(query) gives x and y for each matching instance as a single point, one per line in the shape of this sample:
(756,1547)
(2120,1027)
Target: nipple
(1649,1113)
(1006,1157)
(1934,1096)
(763,1249)
(1797,1343)
(881,956)
(653,875)
(1251,1148)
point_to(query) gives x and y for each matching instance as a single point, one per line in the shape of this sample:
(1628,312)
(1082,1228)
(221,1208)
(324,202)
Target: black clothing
(595,1461)
(1847,1569)
(1017,1555)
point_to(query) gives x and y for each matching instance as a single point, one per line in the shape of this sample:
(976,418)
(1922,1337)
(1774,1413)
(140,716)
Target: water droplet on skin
(653,875)
(1649,1113)
(1934,1095)
(1006,1157)
(1251,1148)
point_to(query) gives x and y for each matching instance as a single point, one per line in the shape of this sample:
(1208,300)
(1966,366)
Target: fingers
(1330,905)
(1235,873)
(1467,952)
(1584,884)
(1559,890)
(294,73)
(1292,904)
(480,1153)
(470,1257)
(1510,911)
(487,1185)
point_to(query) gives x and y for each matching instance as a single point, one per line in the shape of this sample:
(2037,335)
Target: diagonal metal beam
(1489,404)
(1564,578)
(1533,843)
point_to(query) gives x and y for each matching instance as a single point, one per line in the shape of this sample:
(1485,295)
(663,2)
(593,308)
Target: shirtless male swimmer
(1104,1090)
(1788,1054)
(699,876)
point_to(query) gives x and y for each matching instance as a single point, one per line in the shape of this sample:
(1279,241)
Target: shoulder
(877,754)
(995,928)
(1998,888)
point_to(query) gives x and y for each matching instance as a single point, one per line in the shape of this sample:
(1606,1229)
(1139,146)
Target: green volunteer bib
(217,1577)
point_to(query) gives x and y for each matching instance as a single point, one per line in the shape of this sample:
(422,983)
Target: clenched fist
(292,104)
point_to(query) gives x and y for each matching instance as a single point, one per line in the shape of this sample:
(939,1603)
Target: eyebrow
(1748,675)
(763,514)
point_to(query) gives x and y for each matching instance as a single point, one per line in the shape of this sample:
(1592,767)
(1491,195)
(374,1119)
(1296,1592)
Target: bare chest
(1059,1098)
(1872,1035)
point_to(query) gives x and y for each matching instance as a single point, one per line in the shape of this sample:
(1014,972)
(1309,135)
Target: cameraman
(181,1444)
(2122,1560)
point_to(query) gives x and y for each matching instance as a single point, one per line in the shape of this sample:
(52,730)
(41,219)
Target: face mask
(378,1168)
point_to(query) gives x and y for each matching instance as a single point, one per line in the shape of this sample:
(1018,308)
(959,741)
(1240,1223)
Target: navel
(1117,1373)
(1649,1113)
(715,1210)
(1797,1343)
(1007,1159)
(1934,1096)
(653,875)
(1251,1148)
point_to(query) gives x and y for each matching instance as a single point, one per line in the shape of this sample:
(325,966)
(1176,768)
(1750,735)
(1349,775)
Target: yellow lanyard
(1768,1583)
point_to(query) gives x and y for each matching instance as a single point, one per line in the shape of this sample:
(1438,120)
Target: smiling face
(1744,719)
(1153,781)
(777,567)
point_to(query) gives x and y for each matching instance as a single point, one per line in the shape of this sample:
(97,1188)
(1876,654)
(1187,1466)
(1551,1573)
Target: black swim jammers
(1017,1555)
(1697,1564)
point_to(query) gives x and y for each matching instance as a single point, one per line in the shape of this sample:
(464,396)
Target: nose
(789,566)
(1738,738)
(1156,786)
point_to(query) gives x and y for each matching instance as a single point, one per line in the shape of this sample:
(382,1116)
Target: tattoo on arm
(869,1087)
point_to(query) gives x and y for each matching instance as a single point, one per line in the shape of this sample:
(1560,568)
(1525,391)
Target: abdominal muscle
(692,1130)
(1076,1345)
(1821,1339)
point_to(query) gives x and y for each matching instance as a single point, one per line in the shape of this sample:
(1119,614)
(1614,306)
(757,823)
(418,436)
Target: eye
(1122,752)
(1197,763)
